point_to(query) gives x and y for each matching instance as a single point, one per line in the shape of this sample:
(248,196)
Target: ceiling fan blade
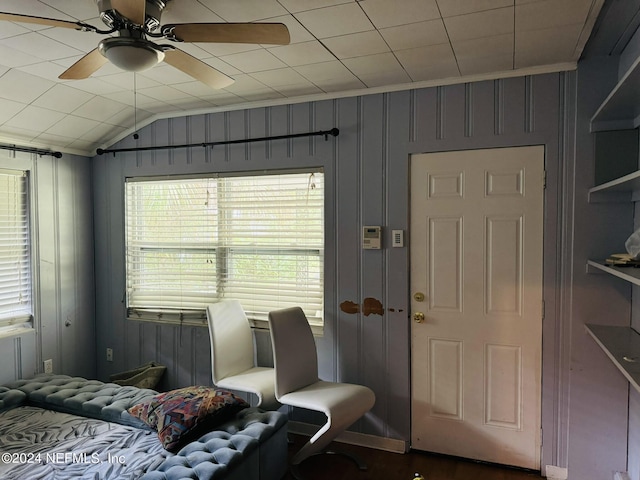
(84,67)
(134,10)
(50,22)
(272,33)
(197,69)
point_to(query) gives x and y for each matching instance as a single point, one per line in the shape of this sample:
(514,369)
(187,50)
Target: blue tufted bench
(253,445)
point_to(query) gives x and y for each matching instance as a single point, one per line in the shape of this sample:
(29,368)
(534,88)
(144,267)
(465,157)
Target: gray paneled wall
(367,172)
(64,316)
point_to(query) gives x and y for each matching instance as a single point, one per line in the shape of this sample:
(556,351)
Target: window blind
(15,251)
(194,241)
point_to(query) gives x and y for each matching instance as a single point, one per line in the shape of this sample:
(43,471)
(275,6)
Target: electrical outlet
(109,354)
(48,366)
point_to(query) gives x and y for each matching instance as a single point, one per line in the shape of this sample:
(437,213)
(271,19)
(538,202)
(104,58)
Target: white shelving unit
(621,109)
(630,274)
(623,189)
(622,346)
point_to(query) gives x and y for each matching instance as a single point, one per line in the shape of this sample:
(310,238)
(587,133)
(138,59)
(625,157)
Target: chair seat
(257,380)
(340,401)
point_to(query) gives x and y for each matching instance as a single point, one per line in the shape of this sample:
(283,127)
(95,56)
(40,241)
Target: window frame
(23,322)
(198,317)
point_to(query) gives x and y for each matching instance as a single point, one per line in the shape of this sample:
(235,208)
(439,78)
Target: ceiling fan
(135,21)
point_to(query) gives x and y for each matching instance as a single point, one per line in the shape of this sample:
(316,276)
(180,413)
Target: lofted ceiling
(338,47)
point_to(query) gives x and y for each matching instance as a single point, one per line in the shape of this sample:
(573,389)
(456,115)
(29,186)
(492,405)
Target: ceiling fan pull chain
(135,108)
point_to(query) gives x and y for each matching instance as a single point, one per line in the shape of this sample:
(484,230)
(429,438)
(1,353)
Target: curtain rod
(38,151)
(333,132)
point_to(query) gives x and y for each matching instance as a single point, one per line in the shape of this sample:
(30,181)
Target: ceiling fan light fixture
(131,54)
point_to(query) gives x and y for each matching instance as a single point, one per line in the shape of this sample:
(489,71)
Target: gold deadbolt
(418,317)
(418,297)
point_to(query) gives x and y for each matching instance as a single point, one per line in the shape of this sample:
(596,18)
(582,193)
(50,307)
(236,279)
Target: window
(15,251)
(194,241)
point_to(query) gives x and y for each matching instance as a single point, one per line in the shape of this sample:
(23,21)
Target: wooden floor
(397,466)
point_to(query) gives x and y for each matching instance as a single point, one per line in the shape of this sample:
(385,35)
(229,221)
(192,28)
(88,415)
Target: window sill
(15,332)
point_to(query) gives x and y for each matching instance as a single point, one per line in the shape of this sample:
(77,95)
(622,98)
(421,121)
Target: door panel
(476,255)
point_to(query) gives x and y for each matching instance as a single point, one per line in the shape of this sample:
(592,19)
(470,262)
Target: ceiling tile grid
(337,47)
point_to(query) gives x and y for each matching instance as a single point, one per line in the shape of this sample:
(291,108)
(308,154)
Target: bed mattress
(39,444)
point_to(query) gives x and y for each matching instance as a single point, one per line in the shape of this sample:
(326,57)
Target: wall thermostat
(371,237)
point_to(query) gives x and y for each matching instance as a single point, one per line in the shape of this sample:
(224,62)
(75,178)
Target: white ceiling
(338,47)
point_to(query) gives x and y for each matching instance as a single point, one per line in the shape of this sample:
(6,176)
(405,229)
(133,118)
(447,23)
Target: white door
(476,275)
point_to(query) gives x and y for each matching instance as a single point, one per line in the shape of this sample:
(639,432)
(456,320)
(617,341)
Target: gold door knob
(418,317)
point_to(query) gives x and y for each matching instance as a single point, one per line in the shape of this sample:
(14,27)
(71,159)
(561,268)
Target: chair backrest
(232,349)
(294,350)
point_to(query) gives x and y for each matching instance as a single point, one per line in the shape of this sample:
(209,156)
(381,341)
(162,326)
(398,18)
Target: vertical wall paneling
(63,276)
(367,319)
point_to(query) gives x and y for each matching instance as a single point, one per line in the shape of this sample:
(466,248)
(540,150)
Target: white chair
(298,385)
(233,354)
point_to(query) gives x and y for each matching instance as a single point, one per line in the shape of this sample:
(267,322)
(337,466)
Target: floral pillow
(182,415)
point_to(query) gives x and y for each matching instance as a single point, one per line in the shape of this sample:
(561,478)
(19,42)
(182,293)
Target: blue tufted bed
(61,427)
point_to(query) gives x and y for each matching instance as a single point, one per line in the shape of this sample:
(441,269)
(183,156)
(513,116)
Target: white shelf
(621,109)
(630,274)
(622,346)
(619,190)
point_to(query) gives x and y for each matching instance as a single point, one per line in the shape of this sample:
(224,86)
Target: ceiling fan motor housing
(113,19)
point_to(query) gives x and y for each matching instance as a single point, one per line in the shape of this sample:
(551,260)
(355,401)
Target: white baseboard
(555,473)
(354,438)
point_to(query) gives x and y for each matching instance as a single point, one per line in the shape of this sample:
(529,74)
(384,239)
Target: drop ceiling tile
(222,49)
(35,118)
(99,108)
(260,95)
(194,88)
(62,98)
(79,9)
(11,29)
(246,10)
(46,70)
(188,11)
(49,138)
(384,13)
(71,123)
(551,13)
(9,108)
(497,45)
(357,44)
(298,90)
(10,57)
(330,76)
(479,65)
(370,64)
(127,80)
(451,8)
(376,70)
(22,87)
(548,46)
(94,85)
(163,74)
(431,32)
(40,46)
(334,21)
(428,63)
(302,53)
(482,24)
(279,77)
(295,6)
(36,9)
(82,42)
(254,61)
(164,93)
(243,84)
(102,131)
(20,134)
